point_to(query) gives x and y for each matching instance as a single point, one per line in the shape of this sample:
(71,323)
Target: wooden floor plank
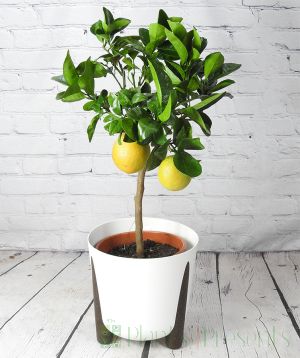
(43,325)
(84,344)
(255,319)
(10,259)
(203,335)
(285,269)
(23,282)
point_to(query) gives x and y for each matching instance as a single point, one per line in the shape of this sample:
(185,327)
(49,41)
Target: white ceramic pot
(139,297)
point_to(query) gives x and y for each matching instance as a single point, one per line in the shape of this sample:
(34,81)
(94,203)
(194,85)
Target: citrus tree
(165,85)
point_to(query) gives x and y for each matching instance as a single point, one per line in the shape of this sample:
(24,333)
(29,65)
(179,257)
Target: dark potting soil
(152,250)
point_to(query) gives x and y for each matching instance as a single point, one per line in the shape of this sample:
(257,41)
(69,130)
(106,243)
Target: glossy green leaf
(129,127)
(163,19)
(178,29)
(191,143)
(157,155)
(161,80)
(144,35)
(69,71)
(209,101)
(108,16)
(99,70)
(175,80)
(92,126)
(199,43)
(222,85)
(89,106)
(60,95)
(212,63)
(73,94)
(123,99)
(187,164)
(113,127)
(138,97)
(178,46)
(165,115)
(146,127)
(86,81)
(226,69)
(117,25)
(157,33)
(201,119)
(60,79)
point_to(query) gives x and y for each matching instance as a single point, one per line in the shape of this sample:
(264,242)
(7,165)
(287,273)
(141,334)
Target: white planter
(139,297)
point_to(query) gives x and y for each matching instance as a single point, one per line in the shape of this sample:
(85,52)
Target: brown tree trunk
(138,199)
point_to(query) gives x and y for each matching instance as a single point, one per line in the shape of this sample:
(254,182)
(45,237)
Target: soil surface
(152,250)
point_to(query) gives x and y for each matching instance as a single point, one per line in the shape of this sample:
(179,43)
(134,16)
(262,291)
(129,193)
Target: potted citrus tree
(142,267)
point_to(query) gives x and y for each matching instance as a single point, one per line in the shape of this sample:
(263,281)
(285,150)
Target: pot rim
(188,248)
(179,241)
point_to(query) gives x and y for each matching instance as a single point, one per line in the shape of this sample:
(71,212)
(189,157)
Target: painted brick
(55,186)
(40,166)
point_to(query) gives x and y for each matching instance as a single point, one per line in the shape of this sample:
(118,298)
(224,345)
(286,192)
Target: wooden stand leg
(175,338)
(104,336)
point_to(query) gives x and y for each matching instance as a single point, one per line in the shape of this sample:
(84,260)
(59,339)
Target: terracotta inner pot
(126,238)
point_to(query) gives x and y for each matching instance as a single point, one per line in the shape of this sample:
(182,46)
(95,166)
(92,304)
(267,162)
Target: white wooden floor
(243,305)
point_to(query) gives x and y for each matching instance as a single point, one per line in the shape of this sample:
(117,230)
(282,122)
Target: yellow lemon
(130,157)
(170,177)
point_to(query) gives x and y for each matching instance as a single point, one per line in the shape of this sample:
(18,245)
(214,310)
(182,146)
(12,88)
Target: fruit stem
(138,199)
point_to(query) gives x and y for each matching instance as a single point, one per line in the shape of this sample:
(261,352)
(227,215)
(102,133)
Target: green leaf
(146,127)
(117,26)
(187,164)
(161,80)
(212,63)
(175,80)
(199,42)
(60,79)
(190,143)
(114,127)
(209,101)
(159,137)
(73,94)
(165,115)
(178,29)
(129,128)
(157,33)
(99,70)
(86,81)
(89,106)
(176,18)
(176,68)
(92,126)
(144,35)
(138,97)
(60,95)
(157,155)
(178,46)
(69,70)
(163,19)
(123,99)
(221,85)
(226,69)
(201,119)
(108,16)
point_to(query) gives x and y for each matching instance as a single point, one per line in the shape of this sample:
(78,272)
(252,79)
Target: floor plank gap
(58,355)
(283,300)
(219,291)
(19,263)
(31,298)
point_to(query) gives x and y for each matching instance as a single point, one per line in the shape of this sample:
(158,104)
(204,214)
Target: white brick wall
(55,186)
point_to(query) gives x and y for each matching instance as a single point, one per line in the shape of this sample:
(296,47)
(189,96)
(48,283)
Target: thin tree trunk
(138,199)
